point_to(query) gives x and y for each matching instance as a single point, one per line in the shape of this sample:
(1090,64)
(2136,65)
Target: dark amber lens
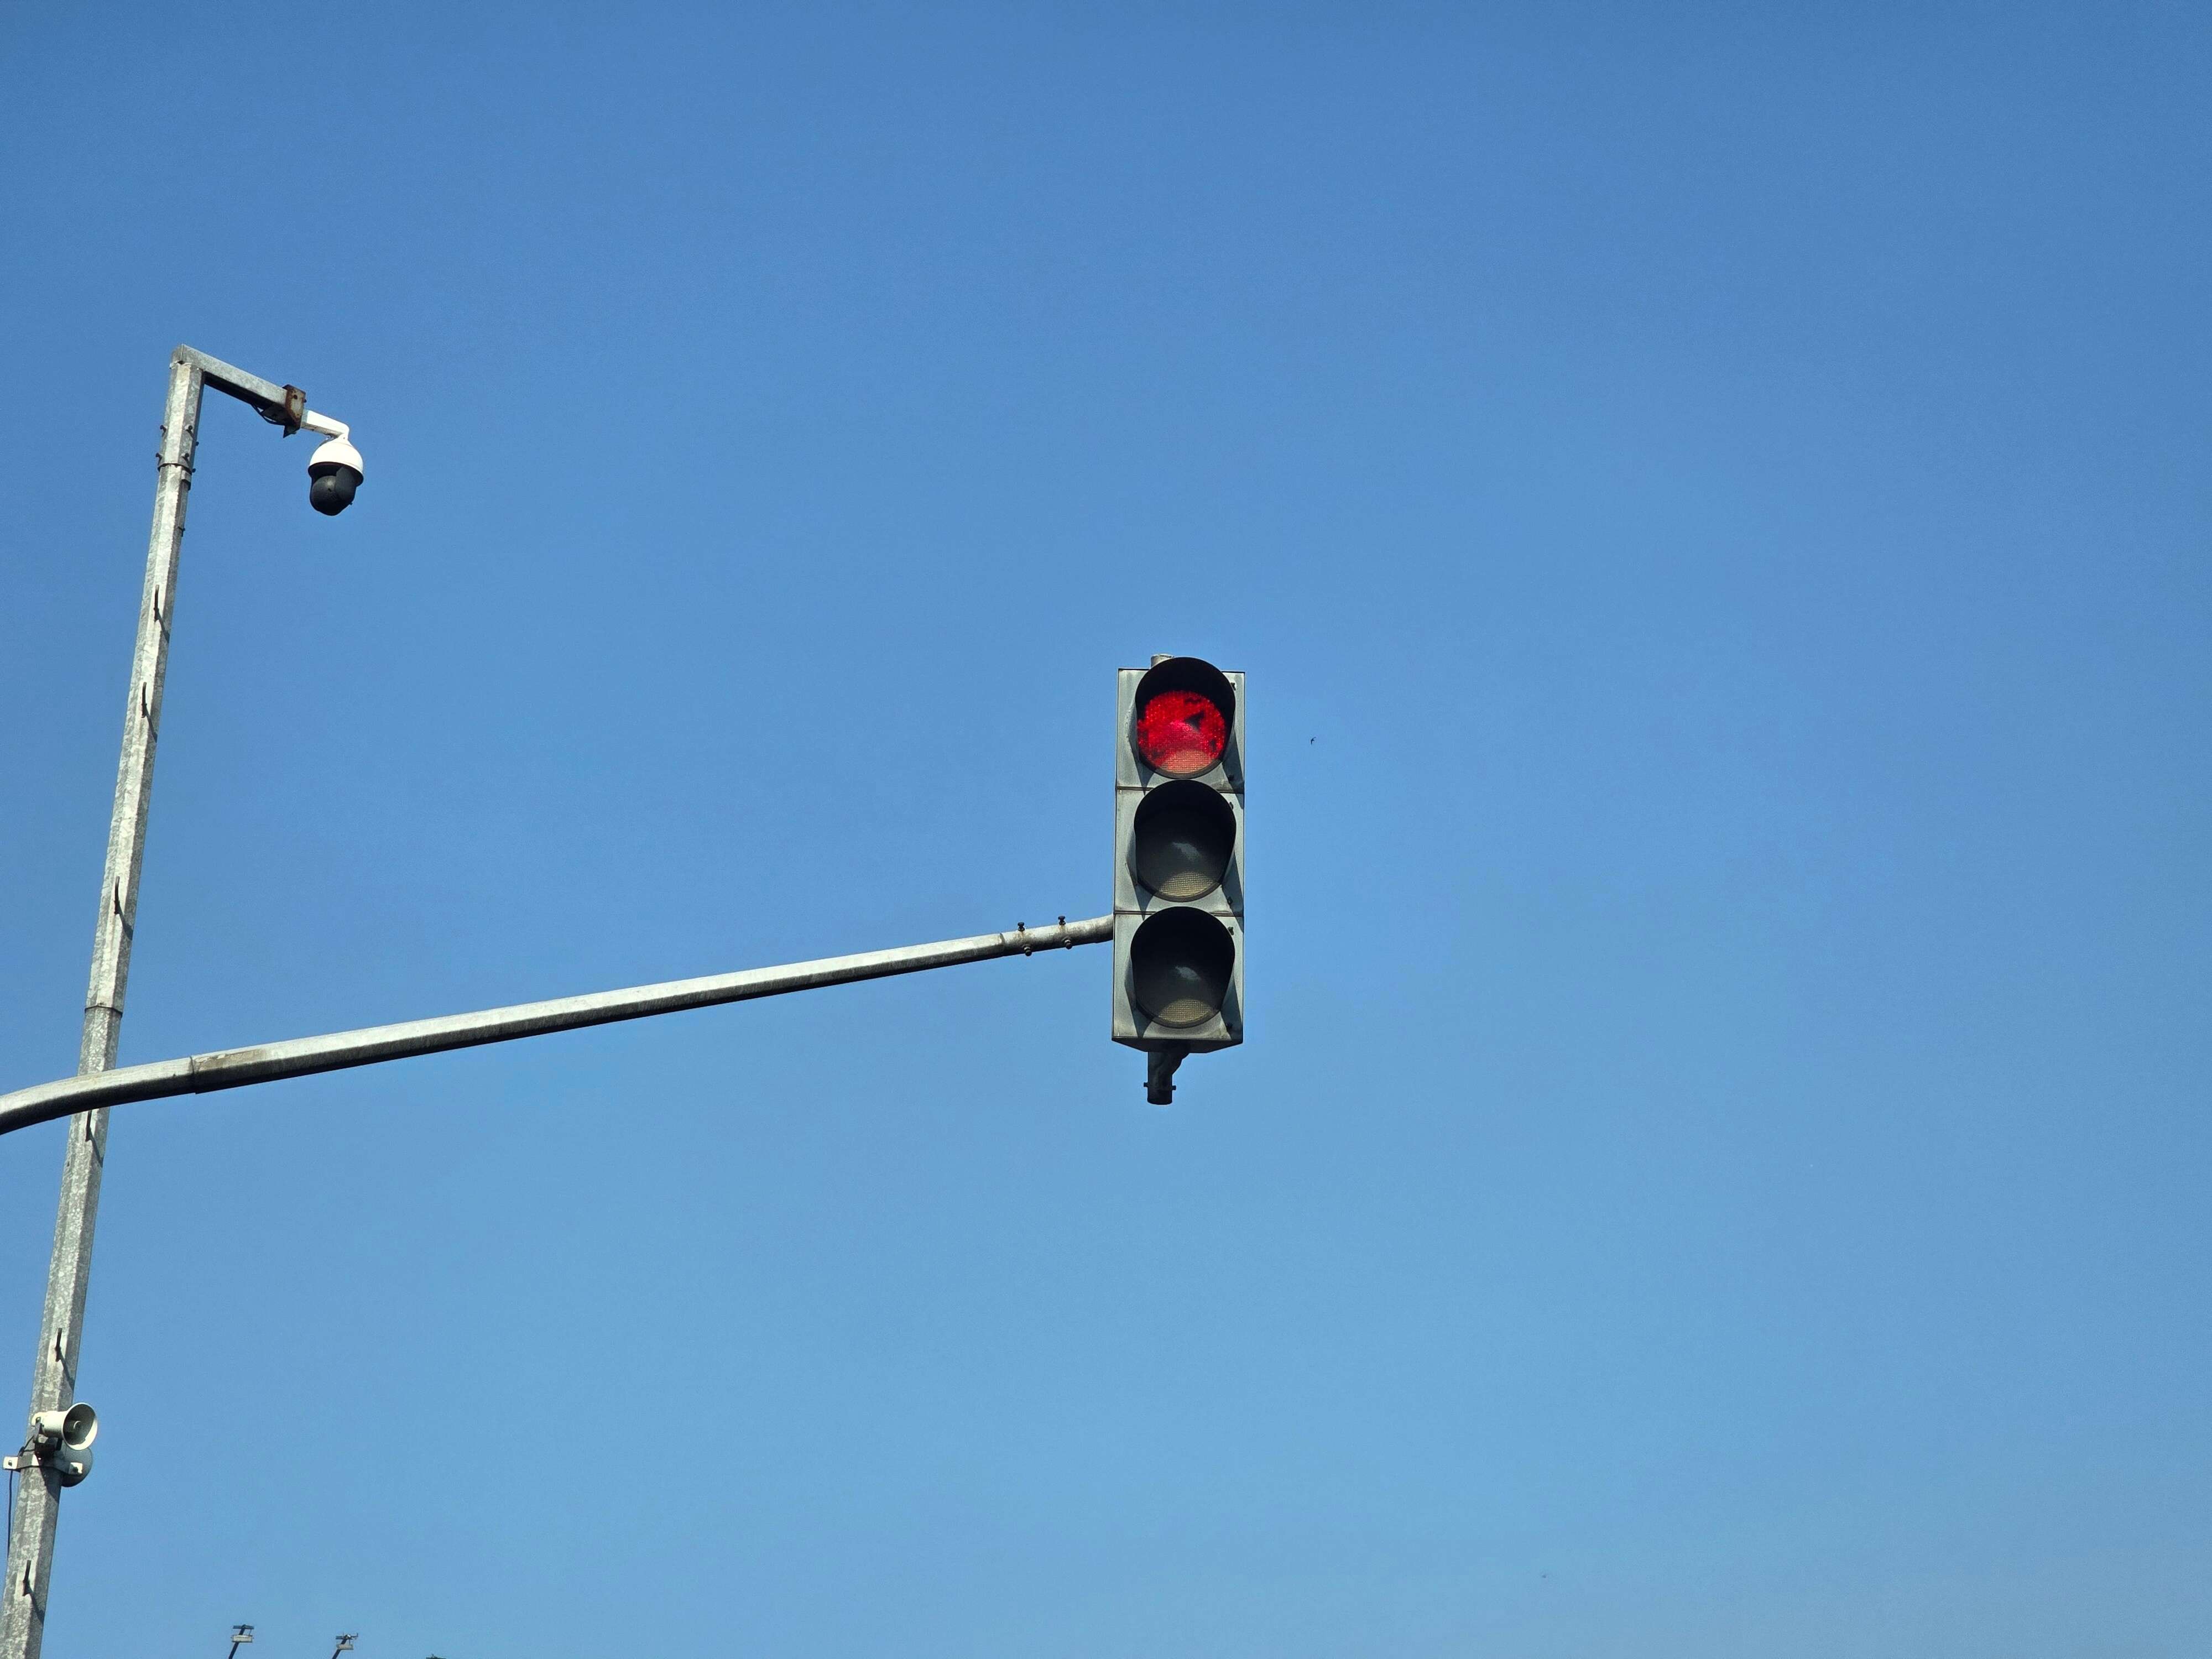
(1179,845)
(1181,734)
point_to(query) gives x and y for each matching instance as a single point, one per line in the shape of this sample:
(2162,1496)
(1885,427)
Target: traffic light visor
(1181,841)
(1183,711)
(1180,963)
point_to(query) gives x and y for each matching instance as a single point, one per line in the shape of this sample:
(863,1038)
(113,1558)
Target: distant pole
(344,1643)
(239,1636)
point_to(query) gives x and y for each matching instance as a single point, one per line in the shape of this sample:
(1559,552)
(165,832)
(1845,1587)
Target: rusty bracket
(288,414)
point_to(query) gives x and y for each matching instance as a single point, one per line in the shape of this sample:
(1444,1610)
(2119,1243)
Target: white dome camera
(333,471)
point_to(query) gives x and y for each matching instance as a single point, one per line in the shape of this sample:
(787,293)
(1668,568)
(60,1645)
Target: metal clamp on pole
(294,410)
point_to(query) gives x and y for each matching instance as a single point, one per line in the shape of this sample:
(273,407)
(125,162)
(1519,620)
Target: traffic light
(1178,864)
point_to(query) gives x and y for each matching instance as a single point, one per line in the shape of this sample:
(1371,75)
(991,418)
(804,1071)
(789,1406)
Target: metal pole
(61,1328)
(269,1062)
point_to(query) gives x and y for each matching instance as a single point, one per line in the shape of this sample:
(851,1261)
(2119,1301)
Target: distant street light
(239,1636)
(344,1643)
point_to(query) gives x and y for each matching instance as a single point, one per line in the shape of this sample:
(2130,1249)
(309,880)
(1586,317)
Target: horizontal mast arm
(232,1068)
(265,395)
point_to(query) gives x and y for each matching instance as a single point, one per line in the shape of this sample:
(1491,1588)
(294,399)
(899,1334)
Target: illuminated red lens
(1181,734)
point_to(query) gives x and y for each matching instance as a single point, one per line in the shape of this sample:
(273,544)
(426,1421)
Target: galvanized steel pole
(61,1328)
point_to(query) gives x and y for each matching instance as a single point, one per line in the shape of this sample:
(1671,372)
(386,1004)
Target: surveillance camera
(333,471)
(333,474)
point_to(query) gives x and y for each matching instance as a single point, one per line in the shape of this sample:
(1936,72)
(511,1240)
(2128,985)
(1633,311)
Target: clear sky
(1713,508)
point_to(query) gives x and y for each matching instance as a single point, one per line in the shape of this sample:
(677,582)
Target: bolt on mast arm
(233,1068)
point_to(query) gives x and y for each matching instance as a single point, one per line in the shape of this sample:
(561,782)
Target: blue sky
(1712,504)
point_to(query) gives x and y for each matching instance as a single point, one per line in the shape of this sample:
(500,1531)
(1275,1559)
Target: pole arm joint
(279,405)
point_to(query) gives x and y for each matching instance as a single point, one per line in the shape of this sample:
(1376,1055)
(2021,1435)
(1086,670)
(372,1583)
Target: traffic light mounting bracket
(1159,1075)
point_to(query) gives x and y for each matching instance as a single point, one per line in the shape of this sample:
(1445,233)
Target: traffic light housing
(1178,863)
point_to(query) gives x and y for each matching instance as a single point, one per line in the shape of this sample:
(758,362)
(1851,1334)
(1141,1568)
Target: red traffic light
(1180,733)
(1184,717)
(1178,857)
